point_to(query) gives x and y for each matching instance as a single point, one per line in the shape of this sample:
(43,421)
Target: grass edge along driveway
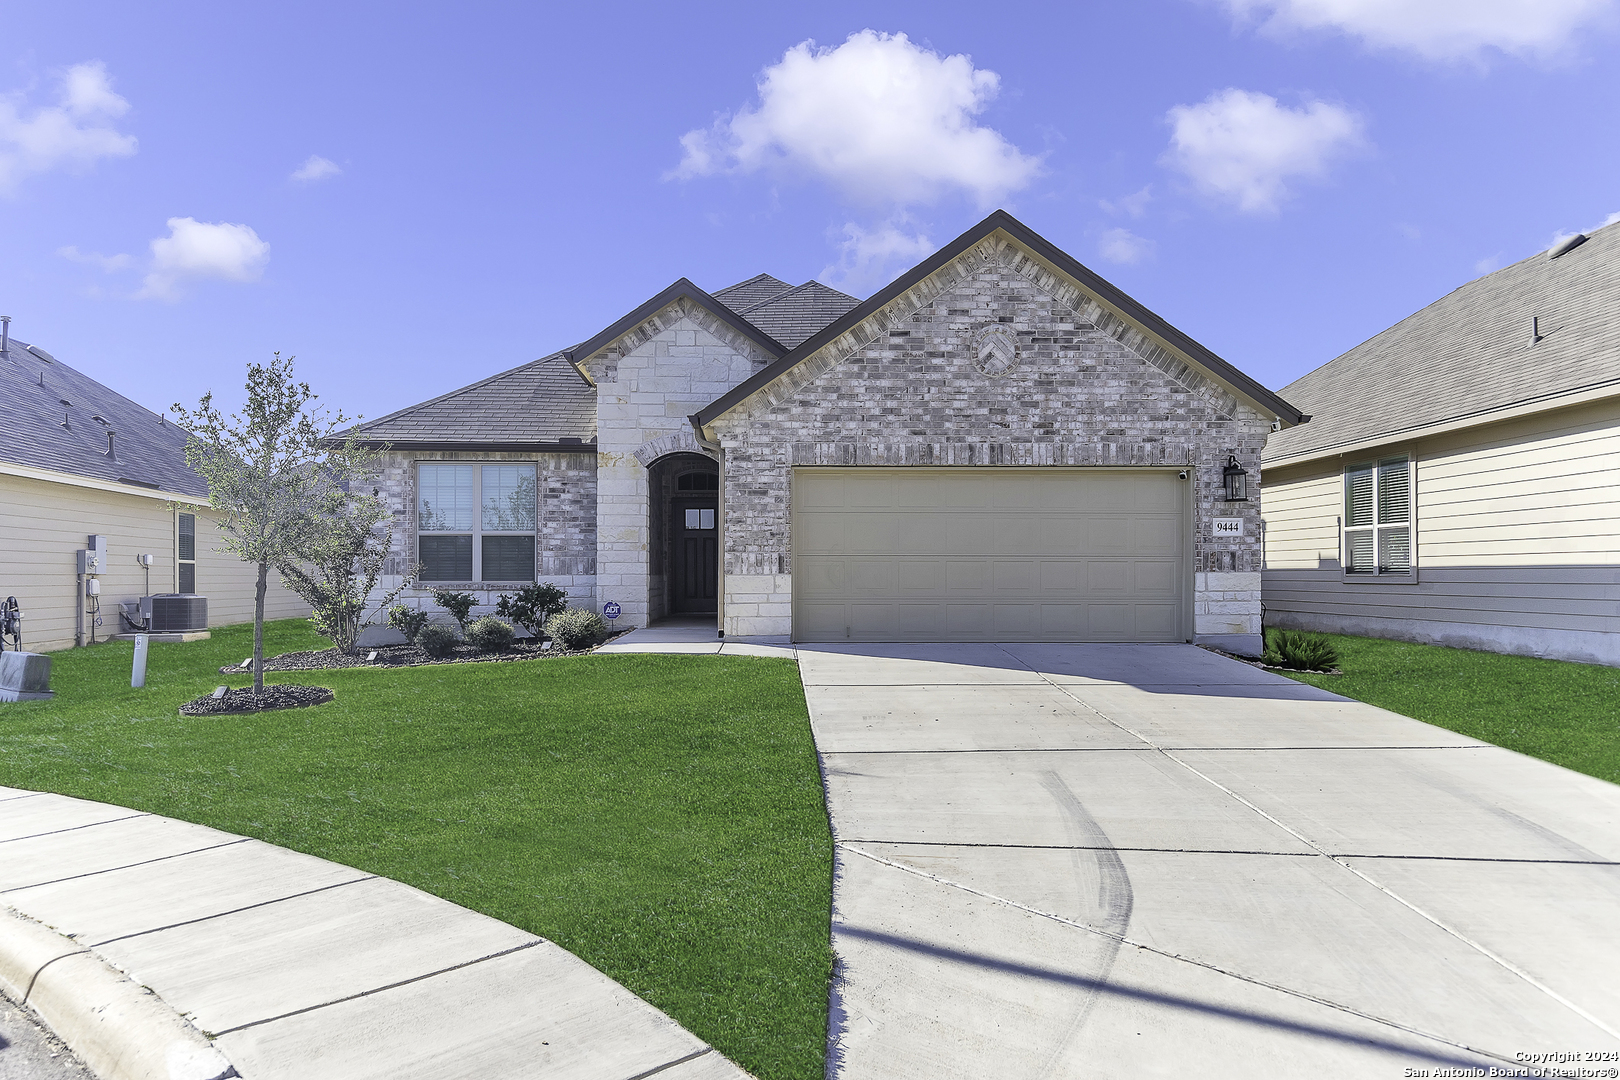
(1555,710)
(661,817)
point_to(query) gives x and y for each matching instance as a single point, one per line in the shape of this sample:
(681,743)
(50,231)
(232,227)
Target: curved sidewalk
(291,966)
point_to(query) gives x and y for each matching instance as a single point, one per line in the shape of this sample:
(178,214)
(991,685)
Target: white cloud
(1244,147)
(74,133)
(315,168)
(1488,264)
(1132,205)
(108,263)
(1124,246)
(200,249)
(1433,29)
(884,120)
(869,258)
(1560,237)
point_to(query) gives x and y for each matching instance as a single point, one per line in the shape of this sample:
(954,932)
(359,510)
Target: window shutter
(1394,492)
(1358,497)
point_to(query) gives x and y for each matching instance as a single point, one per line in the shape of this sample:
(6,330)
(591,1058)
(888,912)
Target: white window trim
(1410,577)
(478,532)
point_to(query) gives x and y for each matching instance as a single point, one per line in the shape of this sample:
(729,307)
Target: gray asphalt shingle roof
(745,294)
(1470,352)
(147,450)
(794,314)
(541,402)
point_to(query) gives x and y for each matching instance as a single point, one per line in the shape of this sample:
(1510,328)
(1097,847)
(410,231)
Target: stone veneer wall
(902,389)
(566,540)
(648,383)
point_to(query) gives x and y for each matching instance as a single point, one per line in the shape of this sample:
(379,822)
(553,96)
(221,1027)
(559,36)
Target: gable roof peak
(1102,291)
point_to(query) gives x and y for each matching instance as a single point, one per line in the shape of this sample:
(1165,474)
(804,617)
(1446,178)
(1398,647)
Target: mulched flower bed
(244,700)
(404,656)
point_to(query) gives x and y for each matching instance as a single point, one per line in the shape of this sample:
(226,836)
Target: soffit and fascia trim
(52,476)
(1561,399)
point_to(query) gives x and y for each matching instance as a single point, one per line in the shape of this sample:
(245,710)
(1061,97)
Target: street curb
(122,1031)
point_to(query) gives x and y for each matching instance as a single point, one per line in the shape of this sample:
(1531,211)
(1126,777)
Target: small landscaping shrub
(407,620)
(1300,651)
(532,605)
(436,639)
(576,628)
(490,634)
(458,604)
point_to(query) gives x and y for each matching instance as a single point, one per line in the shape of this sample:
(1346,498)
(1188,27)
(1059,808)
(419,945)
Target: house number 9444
(1228,526)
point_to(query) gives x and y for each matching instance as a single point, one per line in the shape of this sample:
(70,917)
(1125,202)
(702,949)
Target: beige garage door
(1007,554)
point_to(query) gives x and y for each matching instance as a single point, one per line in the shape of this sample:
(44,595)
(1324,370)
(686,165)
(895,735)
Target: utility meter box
(93,558)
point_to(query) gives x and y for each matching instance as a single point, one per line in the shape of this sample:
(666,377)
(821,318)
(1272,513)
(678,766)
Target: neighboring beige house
(77,460)
(999,445)
(1459,481)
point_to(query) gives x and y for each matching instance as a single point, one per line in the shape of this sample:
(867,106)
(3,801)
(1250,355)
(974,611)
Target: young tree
(338,565)
(270,470)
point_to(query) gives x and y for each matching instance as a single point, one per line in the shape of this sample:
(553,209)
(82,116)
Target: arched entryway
(684,560)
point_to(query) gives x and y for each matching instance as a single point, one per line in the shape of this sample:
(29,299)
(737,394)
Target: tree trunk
(258,628)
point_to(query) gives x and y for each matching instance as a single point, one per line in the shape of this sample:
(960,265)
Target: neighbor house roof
(1103,291)
(1471,356)
(541,403)
(58,419)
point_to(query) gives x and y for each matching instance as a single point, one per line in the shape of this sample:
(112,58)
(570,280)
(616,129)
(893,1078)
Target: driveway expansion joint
(1302,838)
(1125,939)
(72,828)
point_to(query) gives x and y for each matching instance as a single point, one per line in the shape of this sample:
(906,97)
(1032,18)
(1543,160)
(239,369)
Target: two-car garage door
(999,554)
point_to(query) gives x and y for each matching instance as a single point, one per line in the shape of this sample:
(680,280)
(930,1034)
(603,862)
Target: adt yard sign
(611,609)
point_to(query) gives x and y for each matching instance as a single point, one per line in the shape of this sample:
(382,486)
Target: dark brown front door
(696,557)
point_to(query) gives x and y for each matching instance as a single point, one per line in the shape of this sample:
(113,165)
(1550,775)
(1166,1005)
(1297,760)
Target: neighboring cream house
(77,460)
(1459,481)
(1000,445)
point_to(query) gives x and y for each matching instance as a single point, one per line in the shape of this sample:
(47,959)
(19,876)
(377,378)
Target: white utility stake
(137,674)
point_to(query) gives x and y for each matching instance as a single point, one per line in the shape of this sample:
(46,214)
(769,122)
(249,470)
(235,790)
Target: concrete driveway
(1139,861)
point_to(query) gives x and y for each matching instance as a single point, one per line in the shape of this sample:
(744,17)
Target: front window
(1378,517)
(476,522)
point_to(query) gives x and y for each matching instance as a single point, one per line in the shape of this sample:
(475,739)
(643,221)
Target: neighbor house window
(186,553)
(476,522)
(1378,517)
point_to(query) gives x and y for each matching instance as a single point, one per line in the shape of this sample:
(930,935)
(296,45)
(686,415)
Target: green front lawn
(1568,714)
(659,816)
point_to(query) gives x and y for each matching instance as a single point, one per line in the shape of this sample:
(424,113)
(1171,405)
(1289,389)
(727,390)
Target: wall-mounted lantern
(1237,485)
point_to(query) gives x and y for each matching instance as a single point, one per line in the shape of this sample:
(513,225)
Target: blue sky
(410,197)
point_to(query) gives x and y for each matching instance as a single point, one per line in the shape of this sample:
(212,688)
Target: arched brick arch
(680,442)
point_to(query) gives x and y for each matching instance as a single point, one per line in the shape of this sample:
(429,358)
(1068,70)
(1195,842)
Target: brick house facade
(669,448)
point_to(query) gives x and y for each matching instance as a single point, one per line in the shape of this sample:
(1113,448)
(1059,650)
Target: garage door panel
(984,554)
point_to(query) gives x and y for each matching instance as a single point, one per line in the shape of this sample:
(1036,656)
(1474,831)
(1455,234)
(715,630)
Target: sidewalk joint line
(671,1064)
(233,911)
(1339,861)
(24,795)
(71,828)
(380,989)
(125,866)
(1083,847)
(1126,939)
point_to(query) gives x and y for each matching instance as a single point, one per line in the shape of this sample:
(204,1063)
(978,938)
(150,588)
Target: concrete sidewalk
(695,636)
(1140,861)
(294,967)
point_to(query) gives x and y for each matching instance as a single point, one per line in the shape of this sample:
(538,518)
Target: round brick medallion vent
(994,349)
